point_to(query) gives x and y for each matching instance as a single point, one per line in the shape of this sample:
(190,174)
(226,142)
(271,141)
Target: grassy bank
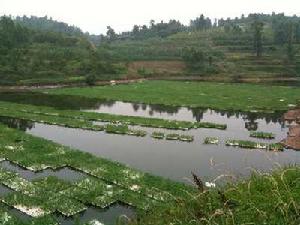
(272,199)
(243,97)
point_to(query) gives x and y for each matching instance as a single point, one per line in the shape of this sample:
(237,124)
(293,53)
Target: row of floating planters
(43,111)
(173,137)
(246,144)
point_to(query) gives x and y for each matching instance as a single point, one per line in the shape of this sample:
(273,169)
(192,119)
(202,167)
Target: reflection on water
(179,113)
(133,109)
(16,123)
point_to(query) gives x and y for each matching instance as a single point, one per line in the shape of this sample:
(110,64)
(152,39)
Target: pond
(173,159)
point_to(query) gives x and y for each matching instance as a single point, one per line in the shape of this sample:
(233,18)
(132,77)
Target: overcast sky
(94,15)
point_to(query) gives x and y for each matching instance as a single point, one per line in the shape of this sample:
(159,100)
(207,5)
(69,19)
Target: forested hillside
(42,50)
(35,53)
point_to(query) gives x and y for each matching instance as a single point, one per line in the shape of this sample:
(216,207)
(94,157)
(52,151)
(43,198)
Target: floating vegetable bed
(262,135)
(172,136)
(254,145)
(110,182)
(124,130)
(186,138)
(158,135)
(211,140)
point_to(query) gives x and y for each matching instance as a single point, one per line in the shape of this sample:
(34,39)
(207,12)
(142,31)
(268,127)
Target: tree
(111,34)
(257,27)
(194,58)
(90,79)
(290,47)
(201,23)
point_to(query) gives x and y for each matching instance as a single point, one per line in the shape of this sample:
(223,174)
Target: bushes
(90,79)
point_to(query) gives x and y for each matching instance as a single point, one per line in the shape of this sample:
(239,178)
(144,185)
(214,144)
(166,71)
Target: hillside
(226,50)
(35,56)
(44,51)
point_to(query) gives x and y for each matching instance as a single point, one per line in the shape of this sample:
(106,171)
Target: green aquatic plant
(186,138)
(116,129)
(211,140)
(255,145)
(262,135)
(172,136)
(158,135)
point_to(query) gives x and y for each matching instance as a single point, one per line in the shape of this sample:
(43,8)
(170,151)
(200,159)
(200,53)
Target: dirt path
(35,87)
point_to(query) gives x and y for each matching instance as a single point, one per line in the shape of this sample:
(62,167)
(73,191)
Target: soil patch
(293,139)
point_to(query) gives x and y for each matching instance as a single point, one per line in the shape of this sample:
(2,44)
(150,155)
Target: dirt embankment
(157,68)
(293,138)
(35,87)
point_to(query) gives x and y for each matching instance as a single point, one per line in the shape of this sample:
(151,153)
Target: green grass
(243,97)
(271,199)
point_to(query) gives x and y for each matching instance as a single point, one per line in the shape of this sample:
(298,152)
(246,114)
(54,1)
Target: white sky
(94,15)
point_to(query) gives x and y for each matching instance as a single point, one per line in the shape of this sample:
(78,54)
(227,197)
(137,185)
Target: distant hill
(48,24)
(45,51)
(224,48)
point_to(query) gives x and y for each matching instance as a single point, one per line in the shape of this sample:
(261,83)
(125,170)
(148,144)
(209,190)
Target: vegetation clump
(158,135)
(242,202)
(262,135)
(255,145)
(172,136)
(211,140)
(186,138)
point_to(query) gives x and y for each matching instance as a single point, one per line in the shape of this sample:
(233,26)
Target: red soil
(293,138)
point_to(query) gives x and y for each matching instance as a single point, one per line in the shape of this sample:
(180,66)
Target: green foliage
(257,27)
(90,79)
(201,23)
(263,135)
(48,25)
(33,53)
